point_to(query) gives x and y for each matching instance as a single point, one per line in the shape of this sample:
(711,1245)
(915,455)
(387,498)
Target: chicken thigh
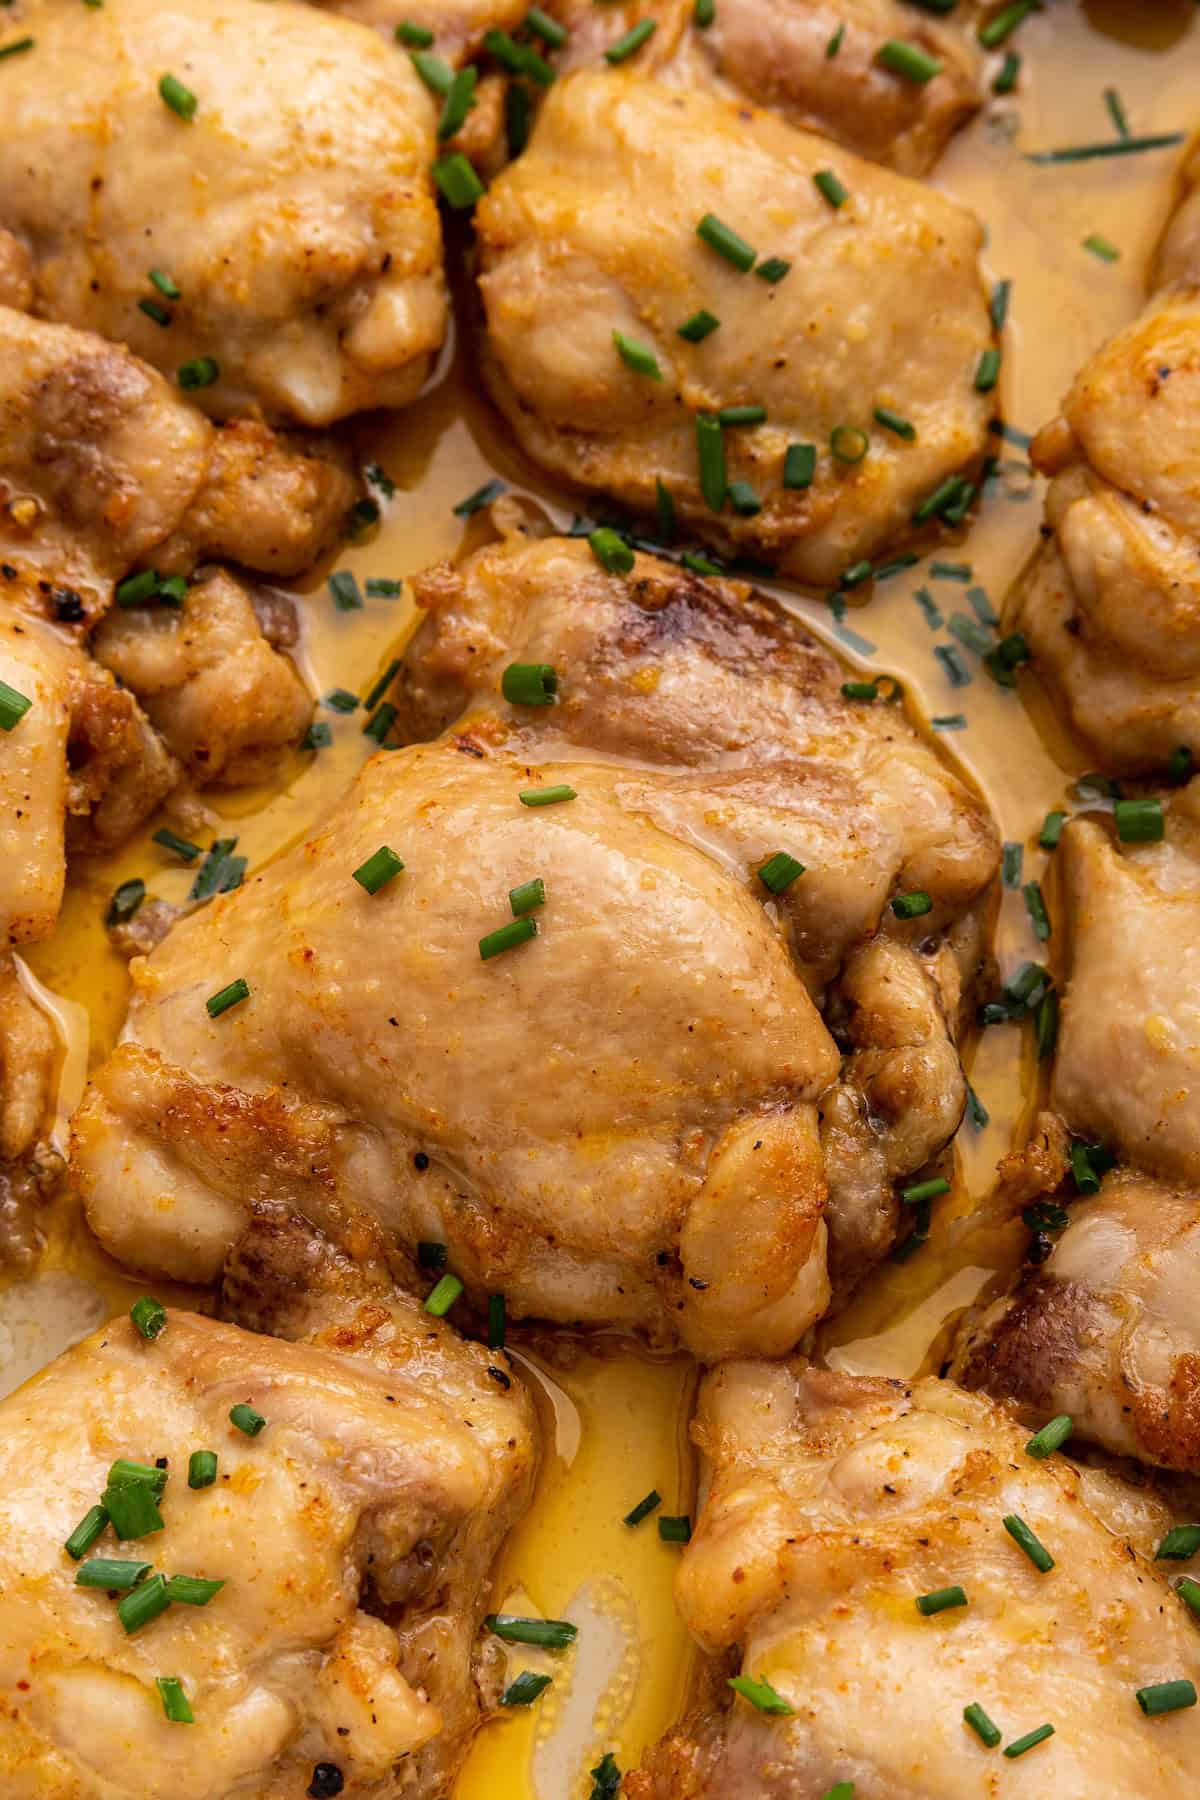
(760,418)
(815,62)
(834,1504)
(458,27)
(1110,605)
(270,166)
(365,1475)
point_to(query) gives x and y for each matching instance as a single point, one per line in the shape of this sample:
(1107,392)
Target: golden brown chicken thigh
(876,304)
(280,188)
(351,1525)
(833,1504)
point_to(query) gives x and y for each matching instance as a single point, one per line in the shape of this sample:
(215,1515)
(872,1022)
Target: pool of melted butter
(616,1420)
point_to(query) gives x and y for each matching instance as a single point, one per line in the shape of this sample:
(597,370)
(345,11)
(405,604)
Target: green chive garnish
(1139,821)
(860,690)
(1180,1542)
(610,550)
(643,1509)
(1035,906)
(779,872)
(710,447)
(133,1509)
(987,371)
(13,706)
(1002,24)
(527,898)
(483,496)
(174,1700)
(414,37)
(664,511)
(703,13)
(378,869)
(383,587)
(1032,1738)
(913,905)
(202,1468)
(1116,112)
(726,242)
(636,356)
(497,1326)
(1051,830)
(180,99)
(893,421)
(773,269)
(908,60)
(545,1634)
(170,840)
(981,1725)
(109,1573)
(226,997)
(830,188)
(123,1472)
(941,1600)
(525,1689)
(380,722)
(760,1694)
(125,901)
(517,931)
(835,43)
(1101,247)
(848,443)
(434,71)
(1050,1438)
(1005,79)
(933,1189)
(799,465)
(192,1590)
(632,41)
(344,590)
(149,1316)
(1189,1592)
(431,1255)
(89,1528)
(153,310)
(675,1529)
(529,684)
(743,499)
(698,327)
(144,1603)
(547,796)
(742,415)
(201,372)
(548,29)
(16,47)
(1034,1549)
(246,1419)
(1165,140)
(1165,1697)
(457,181)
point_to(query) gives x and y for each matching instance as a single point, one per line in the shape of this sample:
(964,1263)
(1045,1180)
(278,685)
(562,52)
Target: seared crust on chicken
(1110,605)
(777,54)
(594,231)
(834,1502)
(302,232)
(103,468)
(354,1536)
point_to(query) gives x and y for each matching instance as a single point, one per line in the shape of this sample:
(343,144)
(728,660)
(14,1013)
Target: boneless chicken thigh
(833,1504)
(350,1526)
(594,231)
(279,186)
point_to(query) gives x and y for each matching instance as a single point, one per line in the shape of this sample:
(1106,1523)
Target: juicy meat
(224,701)
(28,1051)
(354,1535)
(103,468)
(1111,603)
(834,1502)
(594,230)
(302,232)
(1178,260)
(1106,1329)
(776,54)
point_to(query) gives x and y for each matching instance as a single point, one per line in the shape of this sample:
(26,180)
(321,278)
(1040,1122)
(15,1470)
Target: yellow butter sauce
(616,1422)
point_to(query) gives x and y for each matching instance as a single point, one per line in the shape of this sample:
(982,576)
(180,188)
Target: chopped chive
(799,465)
(482,497)
(246,1419)
(220,872)
(509,54)
(202,1468)
(544,1634)
(1051,830)
(497,1326)
(632,41)
(457,181)
(1005,79)
(17,47)
(896,565)
(429,1255)
(760,1694)
(380,587)
(527,897)
(89,1528)
(703,13)
(941,1600)
(998,305)
(701,325)
(547,796)
(180,99)
(741,415)
(378,869)
(383,684)
(525,1689)
(143,1604)
(1139,821)
(225,997)
(192,1590)
(610,550)
(977,1112)
(1044,1217)
(981,1725)
(123,1472)
(1002,24)
(414,37)
(946,494)
(710,448)
(830,188)
(340,700)
(1165,1697)
(1022,1536)
(700,565)
(529,684)
(908,60)
(636,356)
(643,1509)
(957,671)
(860,690)
(1180,1542)
(835,42)
(664,511)
(932,1189)
(344,589)
(160,314)
(1101,247)
(848,444)
(918,1236)
(136,588)
(856,574)
(443,1296)
(1179,764)
(133,1509)
(949,722)
(200,372)
(1165,140)
(779,872)
(606,1778)
(773,269)
(548,29)
(1050,1438)
(380,722)
(517,108)
(987,371)
(435,72)
(110,1573)
(508,937)
(125,901)
(726,242)
(912,906)
(1045,1025)
(174,1701)
(149,1316)
(841,1790)
(1116,112)
(1020,1745)
(1089,1162)
(1189,1592)
(743,499)
(1035,905)
(894,421)
(925,600)
(675,1529)
(968,632)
